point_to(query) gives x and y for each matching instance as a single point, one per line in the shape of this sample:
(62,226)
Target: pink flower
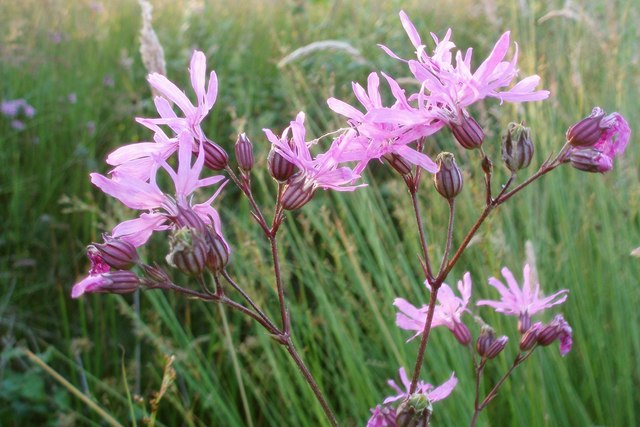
(193,114)
(382,416)
(323,171)
(382,134)
(448,88)
(13,107)
(139,194)
(448,311)
(434,394)
(524,302)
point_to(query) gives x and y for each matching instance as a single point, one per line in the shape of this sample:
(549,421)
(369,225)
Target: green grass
(364,246)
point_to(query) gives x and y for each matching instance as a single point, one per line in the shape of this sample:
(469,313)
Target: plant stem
(423,238)
(425,337)
(311,381)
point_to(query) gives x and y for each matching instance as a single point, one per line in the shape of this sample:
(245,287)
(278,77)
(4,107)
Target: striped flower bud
(116,282)
(462,333)
(215,158)
(244,153)
(218,251)
(117,253)
(590,160)
(496,347)
(448,179)
(517,148)
(280,168)
(484,341)
(530,338)
(587,131)
(398,163)
(297,194)
(467,131)
(186,217)
(188,251)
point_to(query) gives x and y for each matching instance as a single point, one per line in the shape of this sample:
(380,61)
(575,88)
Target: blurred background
(76,66)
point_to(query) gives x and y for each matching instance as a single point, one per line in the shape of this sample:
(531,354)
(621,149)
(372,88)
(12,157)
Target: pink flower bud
(462,333)
(188,251)
(496,347)
(398,163)
(590,160)
(218,254)
(587,131)
(297,194)
(280,168)
(215,158)
(530,338)
(448,179)
(244,153)
(467,131)
(187,218)
(118,253)
(486,338)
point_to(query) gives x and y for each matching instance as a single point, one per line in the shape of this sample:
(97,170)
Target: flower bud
(548,334)
(215,158)
(467,131)
(462,333)
(486,338)
(117,282)
(244,153)
(280,168)
(448,179)
(496,347)
(219,252)
(155,274)
(188,251)
(398,163)
(590,160)
(524,322)
(187,218)
(517,148)
(118,253)
(530,338)
(587,131)
(297,194)
(414,412)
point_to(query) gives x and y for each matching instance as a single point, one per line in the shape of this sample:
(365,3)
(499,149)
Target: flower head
(521,302)
(448,311)
(323,171)
(193,114)
(432,393)
(142,195)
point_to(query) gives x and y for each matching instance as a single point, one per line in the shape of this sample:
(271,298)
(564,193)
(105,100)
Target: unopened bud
(244,153)
(448,179)
(486,338)
(524,322)
(188,218)
(496,347)
(188,251)
(398,163)
(118,253)
(467,131)
(219,252)
(530,338)
(280,168)
(215,158)
(587,131)
(517,148)
(462,333)
(117,282)
(414,412)
(297,194)
(548,334)
(155,274)
(590,160)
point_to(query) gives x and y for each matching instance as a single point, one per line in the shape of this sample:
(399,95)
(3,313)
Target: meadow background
(78,64)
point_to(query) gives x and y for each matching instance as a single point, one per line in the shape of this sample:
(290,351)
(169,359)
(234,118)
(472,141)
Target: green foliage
(347,255)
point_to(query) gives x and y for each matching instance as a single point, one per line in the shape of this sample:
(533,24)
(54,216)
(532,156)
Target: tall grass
(348,255)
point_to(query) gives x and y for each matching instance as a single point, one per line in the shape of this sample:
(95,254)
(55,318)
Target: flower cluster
(14,109)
